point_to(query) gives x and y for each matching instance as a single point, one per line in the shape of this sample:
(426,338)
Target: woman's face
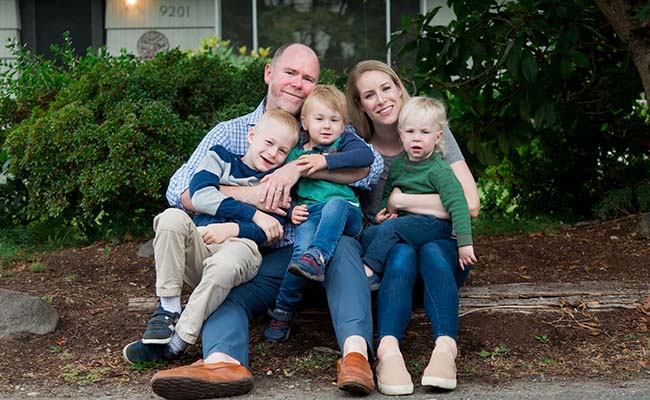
(380,97)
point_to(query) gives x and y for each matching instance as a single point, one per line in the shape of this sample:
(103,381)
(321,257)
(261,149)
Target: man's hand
(218,233)
(383,214)
(466,256)
(393,204)
(276,187)
(299,214)
(272,227)
(311,163)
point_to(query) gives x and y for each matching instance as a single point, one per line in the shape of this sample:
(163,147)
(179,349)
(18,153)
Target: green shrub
(96,145)
(624,201)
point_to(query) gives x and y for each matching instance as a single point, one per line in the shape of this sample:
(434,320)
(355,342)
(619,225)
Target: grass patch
(494,224)
(144,366)
(37,267)
(77,375)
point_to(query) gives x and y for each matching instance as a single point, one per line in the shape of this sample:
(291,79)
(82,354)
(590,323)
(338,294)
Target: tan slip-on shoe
(202,381)
(441,371)
(354,374)
(393,378)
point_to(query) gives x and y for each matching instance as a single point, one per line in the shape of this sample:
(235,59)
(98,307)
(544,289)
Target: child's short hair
(428,109)
(329,95)
(282,117)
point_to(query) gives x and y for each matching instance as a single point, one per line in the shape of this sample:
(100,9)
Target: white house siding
(9,26)
(153,25)
(445,14)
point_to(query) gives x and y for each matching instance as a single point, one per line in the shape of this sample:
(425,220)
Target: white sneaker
(392,376)
(441,371)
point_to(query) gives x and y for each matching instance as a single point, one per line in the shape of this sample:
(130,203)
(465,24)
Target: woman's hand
(311,163)
(218,233)
(383,214)
(299,214)
(466,256)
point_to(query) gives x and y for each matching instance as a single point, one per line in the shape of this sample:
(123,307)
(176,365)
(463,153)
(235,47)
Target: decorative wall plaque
(150,43)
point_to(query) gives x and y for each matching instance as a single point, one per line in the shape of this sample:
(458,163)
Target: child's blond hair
(428,109)
(282,117)
(331,97)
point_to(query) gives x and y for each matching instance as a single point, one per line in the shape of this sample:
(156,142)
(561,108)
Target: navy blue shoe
(310,265)
(279,328)
(137,351)
(373,282)
(160,327)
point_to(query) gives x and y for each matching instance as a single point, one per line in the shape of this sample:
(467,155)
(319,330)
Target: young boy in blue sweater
(219,249)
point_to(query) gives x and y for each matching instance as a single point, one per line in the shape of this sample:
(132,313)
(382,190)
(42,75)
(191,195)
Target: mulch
(90,288)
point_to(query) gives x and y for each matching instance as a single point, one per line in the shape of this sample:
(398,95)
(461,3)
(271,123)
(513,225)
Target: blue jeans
(325,224)
(348,297)
(437,264)
(414,230)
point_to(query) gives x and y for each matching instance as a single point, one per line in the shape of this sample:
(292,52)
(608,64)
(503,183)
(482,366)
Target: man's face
(291,78)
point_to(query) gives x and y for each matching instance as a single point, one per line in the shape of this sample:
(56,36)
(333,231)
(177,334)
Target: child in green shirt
(420,170)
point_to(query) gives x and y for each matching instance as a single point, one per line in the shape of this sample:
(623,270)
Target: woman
(375,97)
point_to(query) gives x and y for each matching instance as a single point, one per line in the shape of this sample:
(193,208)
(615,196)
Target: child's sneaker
(138,352)
(160,327)
(310,265)
(280,325)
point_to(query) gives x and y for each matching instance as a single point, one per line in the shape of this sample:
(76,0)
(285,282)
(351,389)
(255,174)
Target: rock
(146,250)
(22,313)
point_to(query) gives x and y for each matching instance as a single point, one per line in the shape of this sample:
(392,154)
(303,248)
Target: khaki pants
(211,270)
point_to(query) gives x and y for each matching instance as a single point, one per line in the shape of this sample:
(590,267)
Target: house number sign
(174,11)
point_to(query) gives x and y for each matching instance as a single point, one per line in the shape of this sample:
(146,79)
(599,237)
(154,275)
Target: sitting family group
(279,197)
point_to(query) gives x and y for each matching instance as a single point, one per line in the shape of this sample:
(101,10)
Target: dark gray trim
(28,23)
(97,12)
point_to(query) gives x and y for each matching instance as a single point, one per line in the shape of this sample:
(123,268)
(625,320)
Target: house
(342,32)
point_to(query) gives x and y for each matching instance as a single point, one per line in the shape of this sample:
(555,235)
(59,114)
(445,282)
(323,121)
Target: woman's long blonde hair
(358,117)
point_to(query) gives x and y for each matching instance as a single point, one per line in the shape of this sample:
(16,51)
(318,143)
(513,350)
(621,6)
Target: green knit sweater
(432,175)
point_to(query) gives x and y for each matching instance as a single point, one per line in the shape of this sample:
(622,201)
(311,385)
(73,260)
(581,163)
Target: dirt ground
(90,288)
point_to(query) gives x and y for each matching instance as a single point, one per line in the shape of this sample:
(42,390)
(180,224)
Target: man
(291,76)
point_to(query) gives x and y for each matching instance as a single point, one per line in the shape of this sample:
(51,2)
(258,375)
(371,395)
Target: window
(341,32)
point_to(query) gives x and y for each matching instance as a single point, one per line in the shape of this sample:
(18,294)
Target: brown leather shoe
(202,381)
(354,374)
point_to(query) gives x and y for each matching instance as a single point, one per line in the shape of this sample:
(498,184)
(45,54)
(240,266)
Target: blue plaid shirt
(232,135)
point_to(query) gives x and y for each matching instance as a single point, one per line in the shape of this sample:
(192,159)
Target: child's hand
(393,200)
(383,214)
(272,227)
(218,233)
(311,163)
(299,214)
(466,256)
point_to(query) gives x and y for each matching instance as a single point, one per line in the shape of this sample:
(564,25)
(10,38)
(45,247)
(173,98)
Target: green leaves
(98,152)
(545,85)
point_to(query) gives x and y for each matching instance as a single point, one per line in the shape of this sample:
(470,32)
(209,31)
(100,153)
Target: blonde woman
(375,97)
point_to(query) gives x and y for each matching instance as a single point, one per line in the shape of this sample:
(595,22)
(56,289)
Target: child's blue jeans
(414,230)
(325,225)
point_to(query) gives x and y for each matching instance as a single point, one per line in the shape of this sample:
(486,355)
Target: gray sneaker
(160,327)
(137,351)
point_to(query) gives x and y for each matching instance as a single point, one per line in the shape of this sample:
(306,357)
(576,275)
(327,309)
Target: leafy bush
(95,139)
(541,89)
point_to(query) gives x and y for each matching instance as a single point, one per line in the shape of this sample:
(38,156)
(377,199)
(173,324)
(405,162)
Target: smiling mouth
(297,96)
(385,111)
